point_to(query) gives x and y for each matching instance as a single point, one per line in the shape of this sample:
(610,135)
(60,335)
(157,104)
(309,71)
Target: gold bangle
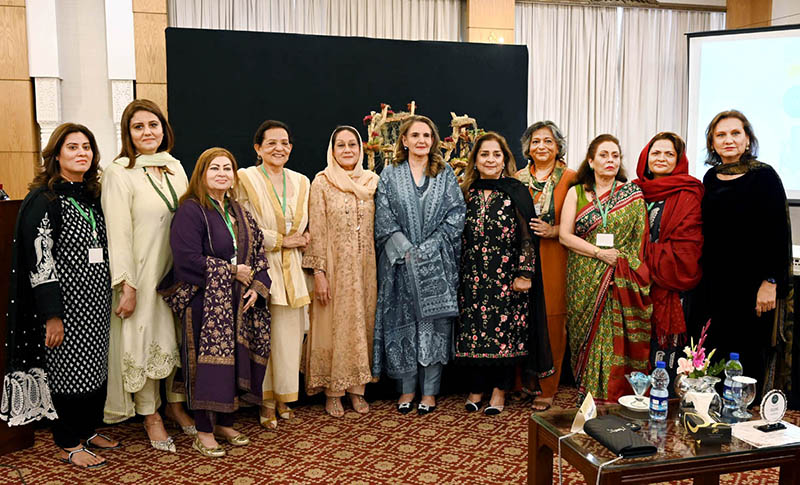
(596,251)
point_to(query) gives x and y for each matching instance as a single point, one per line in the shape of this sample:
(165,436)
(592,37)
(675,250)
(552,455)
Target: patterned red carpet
(446,447)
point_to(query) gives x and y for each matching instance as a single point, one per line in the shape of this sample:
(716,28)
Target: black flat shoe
(472,407)
(404,407)
(423,409)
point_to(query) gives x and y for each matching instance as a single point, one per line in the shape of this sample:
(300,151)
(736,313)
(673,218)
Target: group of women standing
(209,283)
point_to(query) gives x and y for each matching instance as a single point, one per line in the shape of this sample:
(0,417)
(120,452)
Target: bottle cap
(661,365)
(734,356)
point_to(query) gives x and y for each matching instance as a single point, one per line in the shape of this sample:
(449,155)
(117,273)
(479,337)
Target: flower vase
(698,395)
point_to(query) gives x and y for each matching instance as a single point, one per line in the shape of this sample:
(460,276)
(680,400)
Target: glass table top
(674,443)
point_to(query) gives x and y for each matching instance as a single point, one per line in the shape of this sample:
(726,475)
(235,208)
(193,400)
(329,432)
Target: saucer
(631,403)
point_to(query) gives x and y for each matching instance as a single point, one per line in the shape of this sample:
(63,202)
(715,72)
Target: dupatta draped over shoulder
(225,349)
(673,259)
(418,241)
(609,307)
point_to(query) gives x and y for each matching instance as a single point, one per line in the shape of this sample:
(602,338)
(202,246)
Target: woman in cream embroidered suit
(140,194)
(342,255)
(278,200)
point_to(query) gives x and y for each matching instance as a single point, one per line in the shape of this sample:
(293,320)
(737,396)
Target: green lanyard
(650,206)
(228,223)
(604,208)
(174,206)
(88,218)
(282,201)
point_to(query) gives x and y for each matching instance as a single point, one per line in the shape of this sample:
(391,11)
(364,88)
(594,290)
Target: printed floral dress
(496,248)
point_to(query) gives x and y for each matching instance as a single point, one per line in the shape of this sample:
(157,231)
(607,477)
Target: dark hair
(197,189)
(50,171)
(750,153)
(585,174)
(677,143)
(435,159)
(471,172)
(128,149)
(342,128)
(258,138)
(559,137)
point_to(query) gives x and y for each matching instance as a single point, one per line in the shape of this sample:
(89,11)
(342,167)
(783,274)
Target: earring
(405,148)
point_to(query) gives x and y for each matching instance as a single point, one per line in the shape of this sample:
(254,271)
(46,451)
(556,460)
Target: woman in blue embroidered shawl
(419,216)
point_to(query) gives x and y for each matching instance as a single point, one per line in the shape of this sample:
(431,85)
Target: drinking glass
(744,396)
(639,382)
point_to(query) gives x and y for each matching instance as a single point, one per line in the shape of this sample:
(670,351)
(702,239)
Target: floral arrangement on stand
(458,145)
(383,129)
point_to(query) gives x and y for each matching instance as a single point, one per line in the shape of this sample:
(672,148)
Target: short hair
(585,174)
(559,137)
(50,171)
(258,138)
(677,143)
(128,149)
(436,161)
(197,189)
(471,173)
(750,153)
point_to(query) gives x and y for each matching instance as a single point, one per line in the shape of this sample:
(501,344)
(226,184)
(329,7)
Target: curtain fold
(654,80)
(599,70)
(387,19)
(572,69)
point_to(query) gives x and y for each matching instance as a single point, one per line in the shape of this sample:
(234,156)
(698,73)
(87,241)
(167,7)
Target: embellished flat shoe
(423,409)
(217,452)
(404,407)
(72,453)
(238,440)
(360,405)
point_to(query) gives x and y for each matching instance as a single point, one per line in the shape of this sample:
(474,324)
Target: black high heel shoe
(423,409)
(404,407)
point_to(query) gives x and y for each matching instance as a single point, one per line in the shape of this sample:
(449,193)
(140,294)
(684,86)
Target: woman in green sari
(604,225)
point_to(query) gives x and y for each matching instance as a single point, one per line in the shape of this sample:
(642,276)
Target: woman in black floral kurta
(497,265)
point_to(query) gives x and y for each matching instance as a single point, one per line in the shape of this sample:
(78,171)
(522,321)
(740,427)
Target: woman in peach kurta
(342,255)
(548,180)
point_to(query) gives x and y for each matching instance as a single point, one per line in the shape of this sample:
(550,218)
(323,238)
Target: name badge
(605,240)
(233,260)
(288,227)
(95,255)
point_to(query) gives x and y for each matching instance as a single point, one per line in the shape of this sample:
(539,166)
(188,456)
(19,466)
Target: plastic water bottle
(659,392)
(733,368)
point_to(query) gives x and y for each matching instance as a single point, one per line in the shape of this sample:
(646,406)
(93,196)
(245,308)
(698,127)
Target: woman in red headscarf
(676,233)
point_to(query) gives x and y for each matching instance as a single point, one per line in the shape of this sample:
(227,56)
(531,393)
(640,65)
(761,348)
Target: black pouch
(614,433)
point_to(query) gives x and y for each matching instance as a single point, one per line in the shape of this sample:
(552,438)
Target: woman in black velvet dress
(747,253)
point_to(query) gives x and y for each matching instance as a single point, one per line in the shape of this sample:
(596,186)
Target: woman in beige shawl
(277,198)
(342,255)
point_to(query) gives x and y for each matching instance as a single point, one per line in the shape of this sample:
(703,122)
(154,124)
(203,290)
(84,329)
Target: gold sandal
(267,418)
(333,406)
(360,405)
(284,411)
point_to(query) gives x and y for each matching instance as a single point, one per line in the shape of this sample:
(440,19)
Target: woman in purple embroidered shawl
(219,291)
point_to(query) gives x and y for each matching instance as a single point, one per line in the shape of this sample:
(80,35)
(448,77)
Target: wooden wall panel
(18,131)
(150,6)
(13,44)
(12,3)
(16,172)
(154,92)
(150,48)
(490,36)
(496,14)
(748,14)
